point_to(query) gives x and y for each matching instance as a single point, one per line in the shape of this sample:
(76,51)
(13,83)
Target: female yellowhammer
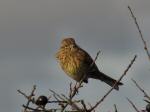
(76,63)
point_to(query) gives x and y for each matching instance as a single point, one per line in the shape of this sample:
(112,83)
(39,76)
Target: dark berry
(42,101)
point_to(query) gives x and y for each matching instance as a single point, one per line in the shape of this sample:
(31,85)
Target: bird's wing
(88,62)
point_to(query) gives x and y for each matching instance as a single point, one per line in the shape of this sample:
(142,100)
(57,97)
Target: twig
(115,107)
(38,110)
(91,107)
(55,94)
(137,85)
(30,108)
(28,97)
(125,72)
(133,105)
(84,106)
(19,91)
(96,57)
(57,101)
(140,32)
(73,92)
(64,101)
(71,103)
(59,98)
(76,101)
(75,89)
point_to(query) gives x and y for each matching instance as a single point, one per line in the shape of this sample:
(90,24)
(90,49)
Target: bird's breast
(71,65)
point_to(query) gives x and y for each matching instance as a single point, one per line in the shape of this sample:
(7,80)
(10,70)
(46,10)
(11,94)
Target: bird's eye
(66,47)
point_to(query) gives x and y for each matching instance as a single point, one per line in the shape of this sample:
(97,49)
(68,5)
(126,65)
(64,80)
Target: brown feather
(76,63)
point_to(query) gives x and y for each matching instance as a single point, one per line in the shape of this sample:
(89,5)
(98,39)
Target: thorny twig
(72,103)
(137,85)
(140,32)
(37,110)
(28,97)
(125,72)
(133,105)
(72,93)
(84,106)
(64,101)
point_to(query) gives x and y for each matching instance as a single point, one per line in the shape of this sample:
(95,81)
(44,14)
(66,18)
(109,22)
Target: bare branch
(28,97)
(56,95)
(125,72)
(19,91)
(140,32)
(73,92)
(38,110)
(96,57)
(133,105)
(84,106)
(137,85)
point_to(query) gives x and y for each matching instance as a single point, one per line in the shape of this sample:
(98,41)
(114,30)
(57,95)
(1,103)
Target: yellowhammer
(77,63)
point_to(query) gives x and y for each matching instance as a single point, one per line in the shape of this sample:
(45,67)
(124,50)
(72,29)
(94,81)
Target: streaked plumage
(76,63)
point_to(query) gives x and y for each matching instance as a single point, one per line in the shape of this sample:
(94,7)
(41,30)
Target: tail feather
(108,80)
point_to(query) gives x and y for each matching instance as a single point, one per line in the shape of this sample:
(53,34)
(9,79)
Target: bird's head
(67,42)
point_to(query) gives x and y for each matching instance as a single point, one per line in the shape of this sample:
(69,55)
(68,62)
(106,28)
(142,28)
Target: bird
(79,65)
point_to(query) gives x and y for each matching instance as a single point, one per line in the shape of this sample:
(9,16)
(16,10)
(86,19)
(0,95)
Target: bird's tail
(110,81)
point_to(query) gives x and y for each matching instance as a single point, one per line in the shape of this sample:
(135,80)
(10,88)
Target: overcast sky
(30,35)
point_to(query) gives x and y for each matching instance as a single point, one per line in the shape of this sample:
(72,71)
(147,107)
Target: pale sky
(30,35)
